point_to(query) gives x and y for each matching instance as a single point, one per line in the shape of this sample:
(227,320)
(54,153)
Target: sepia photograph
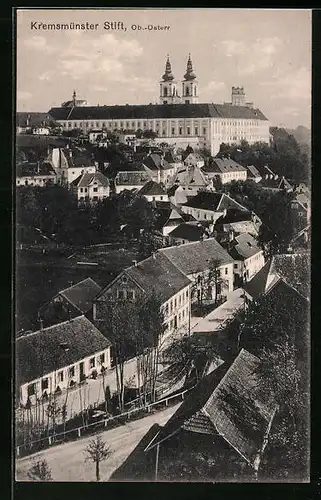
(162,245)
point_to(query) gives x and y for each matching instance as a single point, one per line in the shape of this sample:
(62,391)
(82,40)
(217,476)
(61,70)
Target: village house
(70,163)
(94,134)
(225,169)
(70,302)
(262,282)
(169,218)
(187,232)
(248,256)
(41,130)
(153,191)
(253,174)
(191,159)
(156,274)
(238,221)
(158,169)
(35,174)
(130,180)
(195,260)
(57,357)
(227,416)
(191,180)
(210,206)
(27,122)
(274,182)
(90,188)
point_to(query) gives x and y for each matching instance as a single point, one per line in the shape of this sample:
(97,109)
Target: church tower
(190,84)
(168,86)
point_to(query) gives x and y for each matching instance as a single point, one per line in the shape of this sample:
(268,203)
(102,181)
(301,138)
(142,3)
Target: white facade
(227,277)
(226,177)
(177,311)
(202,214)
(156,197)
(36,180)
(93,191)
(93,134)
(41,131)
(210,132)
(247,268)
(63,377)
(69,174)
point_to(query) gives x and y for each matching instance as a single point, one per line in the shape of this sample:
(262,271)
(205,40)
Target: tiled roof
(170,157)
(194,257)
(222,165)
(155,162)
(81,294)
(152,188)
(230,405)
(275,182)
(85,180)
(159,274)
(41,352)
(35,119)
(191,176)
(234,215)
(217,202)
(193,157)
(189,232)
(150,111)
(262,281)
(252,172)
(244,246)
(131,178)
(31,170)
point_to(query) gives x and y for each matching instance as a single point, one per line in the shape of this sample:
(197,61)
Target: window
(31,389)
(186,293)
(120,294)
(187,91)
(95,198)
(81,190)
(180,131)
(161,198)
(175,302)
(92,363)
(226,270)
(44,384)
(71,371)
(102,358)
(95,189)
(61,376)
(235,266)
(204,130)
(187,101)
(173,131)
(127,124)
(130,294)
(165,92)
(196,130)
(188,130)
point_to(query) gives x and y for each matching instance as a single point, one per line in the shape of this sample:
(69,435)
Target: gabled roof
(40,169)
(170,157)
(252,172)
(194,257)
(32,119)
(230,405)
(81,294)
(191,176)
(43,352)
(188,232)
(132,178)
(262,281)
(234,215)
(244,246)
(152,188)
(85,180)
(275,182)
(194,157)
(222,165)
(155,274)
(217,202)
(154,161)
(150,111)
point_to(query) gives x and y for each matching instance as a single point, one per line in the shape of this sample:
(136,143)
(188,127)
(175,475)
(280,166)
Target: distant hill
(302,134)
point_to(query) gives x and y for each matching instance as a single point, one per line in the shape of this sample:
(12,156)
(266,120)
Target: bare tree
(97,451)
(39,470)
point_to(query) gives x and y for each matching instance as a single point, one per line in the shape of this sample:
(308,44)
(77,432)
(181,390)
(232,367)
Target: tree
(97,451)
(40,470)
(150,134)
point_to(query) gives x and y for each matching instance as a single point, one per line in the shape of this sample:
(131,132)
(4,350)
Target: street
(67,461)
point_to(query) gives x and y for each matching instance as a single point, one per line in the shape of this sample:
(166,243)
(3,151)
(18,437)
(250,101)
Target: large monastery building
(177,119)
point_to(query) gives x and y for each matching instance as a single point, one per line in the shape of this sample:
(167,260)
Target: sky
(268,52)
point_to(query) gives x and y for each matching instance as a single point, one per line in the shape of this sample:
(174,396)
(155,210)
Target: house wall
(202,214)
(249,267)
(226,272)
(156,197)
(121,187)
(36,180)
(54,378)
(41,131)
(89,194)
(176,310)
(226,177)
(69,174)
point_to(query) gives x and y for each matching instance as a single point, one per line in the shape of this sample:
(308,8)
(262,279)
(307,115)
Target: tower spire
(189,75)
(74,98)
(168,76)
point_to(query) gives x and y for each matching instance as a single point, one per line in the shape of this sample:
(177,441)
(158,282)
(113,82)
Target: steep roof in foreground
(222,165)
(152,188)
(189,232)
(194,257)
(262,281)
(129,111)
(230,406)
(57,346)
(217,202)
(244,246)
(81,294)
(85,180)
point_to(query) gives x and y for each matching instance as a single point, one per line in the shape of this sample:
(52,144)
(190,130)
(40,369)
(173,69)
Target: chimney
(135,263)
(154,255)
(38,167)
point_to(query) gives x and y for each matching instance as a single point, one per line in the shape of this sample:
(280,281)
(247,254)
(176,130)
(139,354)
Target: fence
(76,433)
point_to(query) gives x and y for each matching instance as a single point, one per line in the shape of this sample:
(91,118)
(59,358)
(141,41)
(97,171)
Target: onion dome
(189,75)
(168,76)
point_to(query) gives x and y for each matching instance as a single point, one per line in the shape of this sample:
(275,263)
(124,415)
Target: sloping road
(67,462)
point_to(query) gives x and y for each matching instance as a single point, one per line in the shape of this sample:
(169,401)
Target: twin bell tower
(168,86)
